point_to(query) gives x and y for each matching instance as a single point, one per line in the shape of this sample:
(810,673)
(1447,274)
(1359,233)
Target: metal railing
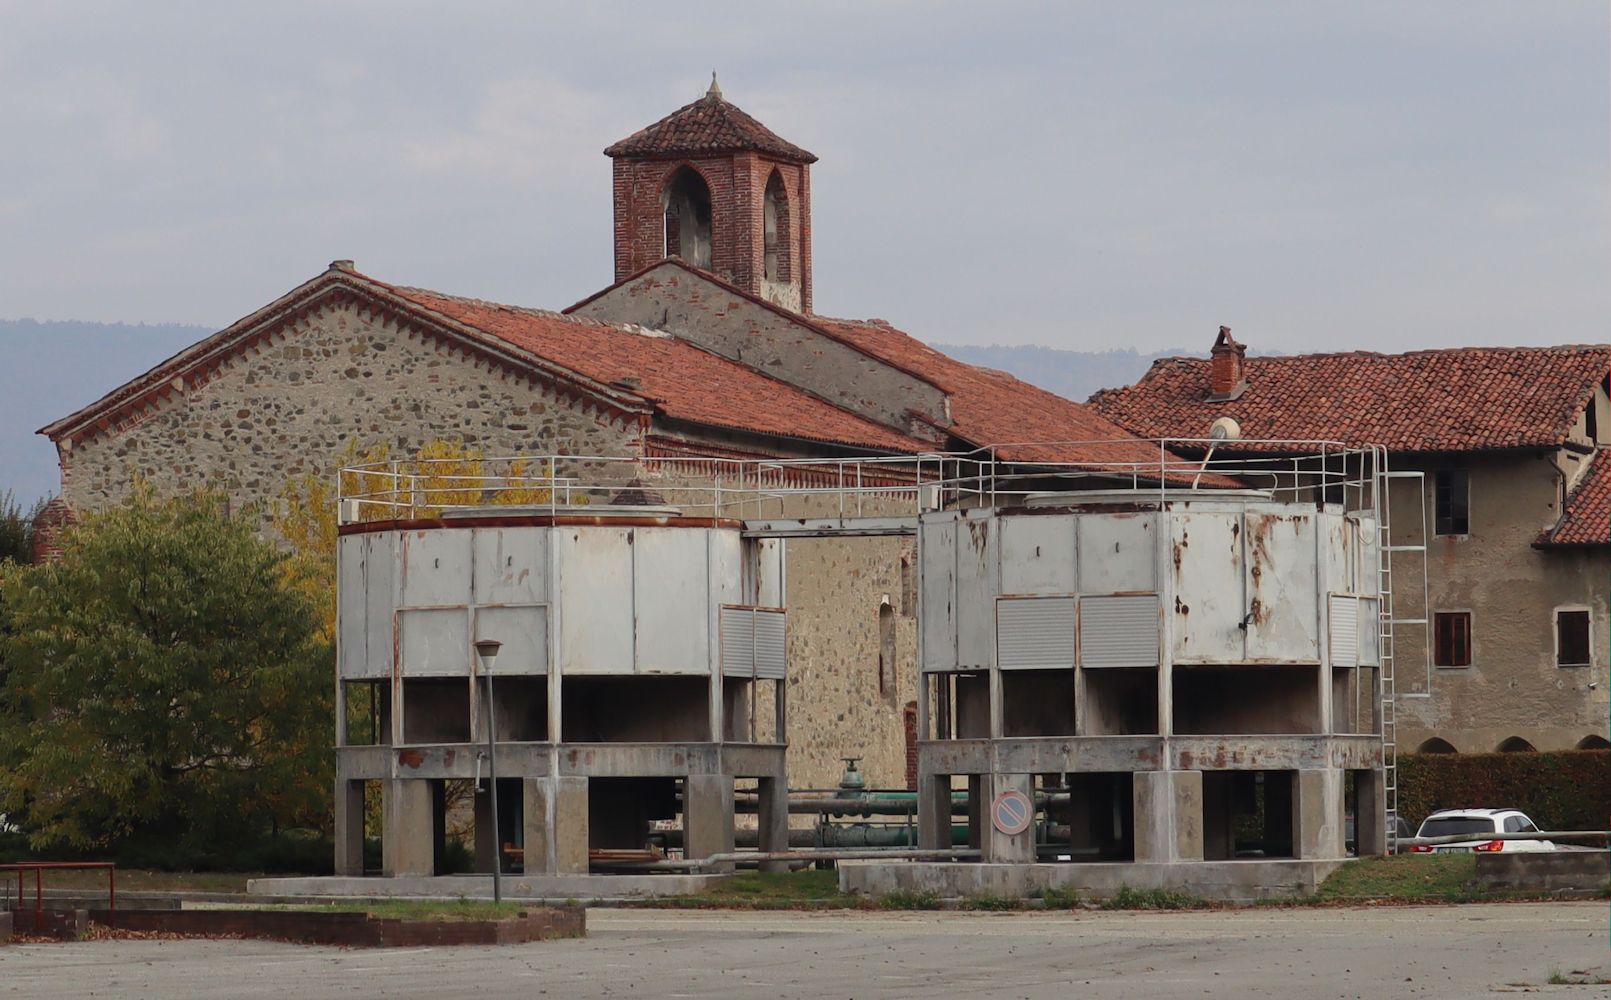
(1001,475)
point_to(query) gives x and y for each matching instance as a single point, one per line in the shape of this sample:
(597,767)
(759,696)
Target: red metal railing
(40,867)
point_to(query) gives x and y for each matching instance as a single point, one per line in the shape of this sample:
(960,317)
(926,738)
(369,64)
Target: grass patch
(996,903)
(1152,899)
(906,899)
(808,885)
(422,909)
(1060,898)
(1578,977)
(1407,877)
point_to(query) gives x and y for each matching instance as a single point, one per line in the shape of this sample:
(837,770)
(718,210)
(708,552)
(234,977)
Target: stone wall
(292,405)
(681,302)
(1512,687)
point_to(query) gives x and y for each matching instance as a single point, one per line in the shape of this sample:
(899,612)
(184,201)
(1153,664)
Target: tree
(164,682)
(16,529)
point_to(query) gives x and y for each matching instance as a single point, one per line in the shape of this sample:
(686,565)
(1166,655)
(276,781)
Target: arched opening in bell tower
(687,209)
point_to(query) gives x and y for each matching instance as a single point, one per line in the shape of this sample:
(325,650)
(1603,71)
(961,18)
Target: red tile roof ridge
(1586,516)
(811,322)
(490,304)
(710,124)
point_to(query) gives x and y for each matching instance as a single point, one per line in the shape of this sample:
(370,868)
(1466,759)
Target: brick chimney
(1225,379)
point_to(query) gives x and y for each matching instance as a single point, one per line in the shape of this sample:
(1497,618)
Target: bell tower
(716,188)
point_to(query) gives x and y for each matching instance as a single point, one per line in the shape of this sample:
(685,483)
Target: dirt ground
(1444,951)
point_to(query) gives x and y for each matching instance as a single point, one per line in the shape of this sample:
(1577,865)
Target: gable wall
(291,404)
(671,298)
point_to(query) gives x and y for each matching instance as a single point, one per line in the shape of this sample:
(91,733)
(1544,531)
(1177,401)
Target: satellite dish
(1225,429)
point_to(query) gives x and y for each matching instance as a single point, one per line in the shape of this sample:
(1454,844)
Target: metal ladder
(1389,624)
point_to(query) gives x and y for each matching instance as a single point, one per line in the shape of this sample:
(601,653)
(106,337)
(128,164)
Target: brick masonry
(352,929)
(737,185)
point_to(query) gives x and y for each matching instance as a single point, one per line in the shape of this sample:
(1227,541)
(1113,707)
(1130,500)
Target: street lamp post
(487,651)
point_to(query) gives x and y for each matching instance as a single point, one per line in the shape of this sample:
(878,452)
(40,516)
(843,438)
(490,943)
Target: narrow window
(1591,422)
(1451,639)
(1572,639)
(886,651)
(1452,502)
(775,231)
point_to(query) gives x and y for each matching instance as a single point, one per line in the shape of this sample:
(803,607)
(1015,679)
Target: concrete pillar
(933,811)
(405,838)
(707,815)
(998,847)
(1370,814)
(555,817)
(486,851)
(1317,814)
(1168,815)
(773,820)
(349,827)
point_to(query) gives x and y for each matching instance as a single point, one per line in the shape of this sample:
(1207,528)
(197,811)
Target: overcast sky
(1084,175)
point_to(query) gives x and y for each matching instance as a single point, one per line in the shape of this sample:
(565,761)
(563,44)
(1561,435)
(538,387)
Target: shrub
(1559,790)
(1060,898)
(989,902)
(907,899)
(1151,899)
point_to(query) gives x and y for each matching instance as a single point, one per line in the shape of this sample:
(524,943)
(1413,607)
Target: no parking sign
(1011,812)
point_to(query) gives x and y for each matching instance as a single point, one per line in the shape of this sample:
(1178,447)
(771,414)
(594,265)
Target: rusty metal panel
(670,593)
(1037,555)
(434,642)
(352,640)
(524,634)
(436,568)
(1342,616)
(595,587)
(1206,564)
(1118,553)
(1035,633)
(936,598)
(511,565)
(768,588)
(1119,631)
(978,567)
(1283,592)
(1370,632)
(1367,556)
(1338,564)
(377,601)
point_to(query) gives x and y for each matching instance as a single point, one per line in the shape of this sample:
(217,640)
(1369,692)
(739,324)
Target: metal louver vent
(753,643)
(1035,633)
(1119,631)
(1343,620)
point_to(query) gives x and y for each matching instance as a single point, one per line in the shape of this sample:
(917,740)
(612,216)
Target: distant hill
(1072,374)
(53,368)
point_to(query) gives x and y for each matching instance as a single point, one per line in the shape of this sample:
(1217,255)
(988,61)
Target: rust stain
(410,758)
(1257,612)
(1181,607)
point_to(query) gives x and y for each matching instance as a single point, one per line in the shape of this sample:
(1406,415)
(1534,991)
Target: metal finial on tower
(715,91)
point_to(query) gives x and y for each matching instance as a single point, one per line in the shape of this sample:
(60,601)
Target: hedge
(1559,790)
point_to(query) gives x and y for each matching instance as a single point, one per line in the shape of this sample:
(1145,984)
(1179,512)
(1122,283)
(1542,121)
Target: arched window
(1436,745)
(1594,743)
(1516,745)
(886,651)
(687,205)
(775,219)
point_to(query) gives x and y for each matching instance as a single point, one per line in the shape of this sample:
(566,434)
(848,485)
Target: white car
(1477,822)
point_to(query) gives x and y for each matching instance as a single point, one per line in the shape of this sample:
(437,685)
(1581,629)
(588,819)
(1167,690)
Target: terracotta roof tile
(1587,519)
(682,381)
(1464,399)
(990,407)
(708,125)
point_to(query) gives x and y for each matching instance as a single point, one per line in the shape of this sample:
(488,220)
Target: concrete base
(545,887)
(1578,873)
(1227,881)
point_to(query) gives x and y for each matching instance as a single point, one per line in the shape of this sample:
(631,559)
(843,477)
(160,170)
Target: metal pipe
(492,779)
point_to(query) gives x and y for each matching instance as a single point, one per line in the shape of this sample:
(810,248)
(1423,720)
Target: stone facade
(292,404)
(1512,589)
